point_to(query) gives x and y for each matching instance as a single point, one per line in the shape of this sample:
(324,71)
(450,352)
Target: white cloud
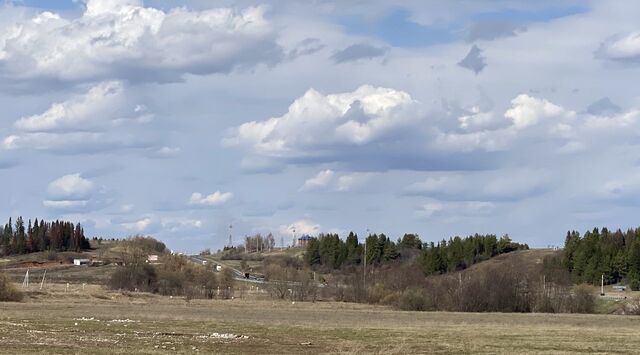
(80,112)
(528,111)
(319,126)
(300,227)
(353,118)
(123,39)
(71,187)
(168,152)
(624,48)
(320,181)
(176,224)
(74,193)
(478,120)
(215,199)
(106,117)
(330,180)
(139,225)
(65,204)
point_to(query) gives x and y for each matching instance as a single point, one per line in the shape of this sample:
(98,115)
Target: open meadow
(94,320)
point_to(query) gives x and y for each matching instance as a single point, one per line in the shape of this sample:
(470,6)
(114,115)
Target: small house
(304,240)
(81,262)
(153,258)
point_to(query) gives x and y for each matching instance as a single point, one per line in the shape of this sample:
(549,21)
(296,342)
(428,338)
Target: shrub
(583,299)
(413,300)
(8,293)
(51,255)
(139,277)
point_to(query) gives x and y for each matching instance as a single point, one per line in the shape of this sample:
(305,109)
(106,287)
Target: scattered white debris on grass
(92,319)
(228,336)
(124,321)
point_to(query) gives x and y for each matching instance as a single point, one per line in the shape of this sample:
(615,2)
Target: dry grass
(60,321)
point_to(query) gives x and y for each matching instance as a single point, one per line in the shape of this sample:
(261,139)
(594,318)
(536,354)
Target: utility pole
(43,276)
(602,285)
(364,270)
(25,282)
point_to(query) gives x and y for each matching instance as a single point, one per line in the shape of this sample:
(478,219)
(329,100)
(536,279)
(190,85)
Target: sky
(177,119)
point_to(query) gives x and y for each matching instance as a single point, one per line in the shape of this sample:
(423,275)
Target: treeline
(458,253)
(330,252)
(616,255)
(18,238)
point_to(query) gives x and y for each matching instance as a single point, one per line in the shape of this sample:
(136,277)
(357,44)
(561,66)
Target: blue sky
(178,118)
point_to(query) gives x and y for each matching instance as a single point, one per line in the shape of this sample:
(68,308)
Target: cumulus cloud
(527,111)
(85,111)
(621,48)
(139,225)
(72,186)
(319,126)
(474,60)
(357,52)
(103,118)
(73,192)
(377,129)
(124,39)
(215,199)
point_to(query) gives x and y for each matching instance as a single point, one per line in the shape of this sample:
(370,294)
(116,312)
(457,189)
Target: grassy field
(96,321)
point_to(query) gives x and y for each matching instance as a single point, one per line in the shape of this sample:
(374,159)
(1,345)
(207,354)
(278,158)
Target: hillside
(531,260)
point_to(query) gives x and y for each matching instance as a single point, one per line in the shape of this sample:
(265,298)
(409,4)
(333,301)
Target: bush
(634,284)
(583,299)
(134,277)
(8,292)
(413,300)
(51,255)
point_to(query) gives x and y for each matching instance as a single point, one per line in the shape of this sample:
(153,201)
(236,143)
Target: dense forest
(616,255)
(18,238)
(328,251)
(458,253)
(331,252)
